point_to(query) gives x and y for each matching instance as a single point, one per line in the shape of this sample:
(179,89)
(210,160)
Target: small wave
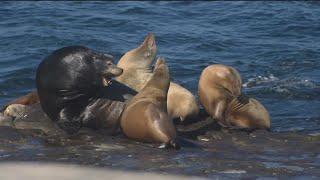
(289,88)
(255,81)
(137,11)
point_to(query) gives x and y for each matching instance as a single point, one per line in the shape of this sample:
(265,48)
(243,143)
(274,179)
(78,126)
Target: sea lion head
(106,69)
(142,56)
(247,113)
(218,85)
(161,76)
(228,78)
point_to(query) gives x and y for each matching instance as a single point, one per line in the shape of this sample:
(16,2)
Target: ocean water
(274,45)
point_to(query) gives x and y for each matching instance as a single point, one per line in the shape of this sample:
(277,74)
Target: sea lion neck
(160,79)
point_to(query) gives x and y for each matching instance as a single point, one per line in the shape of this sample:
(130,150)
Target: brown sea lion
(181,103)
(137,63)
(218,85)
(220,94)
(247,113)
(31,117)
(28,99)
(145,117)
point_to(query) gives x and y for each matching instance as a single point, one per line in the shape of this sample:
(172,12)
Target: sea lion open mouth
(109,74)
(106,81)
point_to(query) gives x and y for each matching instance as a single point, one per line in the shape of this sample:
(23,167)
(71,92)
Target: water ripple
(274,45)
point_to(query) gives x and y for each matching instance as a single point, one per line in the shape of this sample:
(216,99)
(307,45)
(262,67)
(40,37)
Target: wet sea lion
(71,84)
(105,113)
(28,99)
(31,117)
(181,103)
(137,63)
(247,113)
(218,85)
(145,117)
(220,94)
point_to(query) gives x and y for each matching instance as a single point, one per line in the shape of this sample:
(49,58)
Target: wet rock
(214,153)
(6,120)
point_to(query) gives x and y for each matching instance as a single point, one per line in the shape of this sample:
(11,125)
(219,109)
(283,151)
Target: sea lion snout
(112,71)
(142,56)
(149,43)
(108,71)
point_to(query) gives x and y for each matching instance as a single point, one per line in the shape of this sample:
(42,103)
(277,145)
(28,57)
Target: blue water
(274,45)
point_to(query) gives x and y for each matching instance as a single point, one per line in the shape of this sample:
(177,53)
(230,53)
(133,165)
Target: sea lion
(105,113)
(31,117)
(218,85)
(136,64)
(28,99)
(220,94)
(72,85)
(247,113)
(181,103)
(145,116)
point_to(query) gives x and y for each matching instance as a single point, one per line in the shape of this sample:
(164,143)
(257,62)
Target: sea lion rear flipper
(163,129)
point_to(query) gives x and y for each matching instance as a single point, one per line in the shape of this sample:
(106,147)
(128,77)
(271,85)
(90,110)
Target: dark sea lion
(105,112)
(136,64)
(71,87)
(145,117)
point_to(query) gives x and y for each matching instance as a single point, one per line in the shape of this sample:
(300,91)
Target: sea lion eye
(109,63)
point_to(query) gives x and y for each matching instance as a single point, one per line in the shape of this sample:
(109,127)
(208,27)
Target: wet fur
(69,81)
(145,117)
(220,94)
(137,71)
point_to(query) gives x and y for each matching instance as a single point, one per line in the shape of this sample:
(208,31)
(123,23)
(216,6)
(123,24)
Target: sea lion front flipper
(162,128)
(68,121)
(219,112)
